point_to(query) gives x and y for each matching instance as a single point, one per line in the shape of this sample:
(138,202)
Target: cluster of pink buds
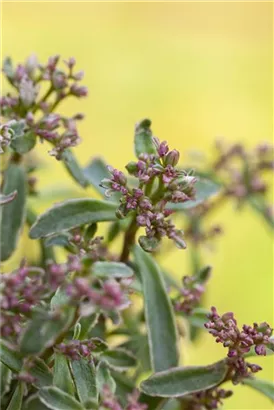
(208,399)
(21,290)
(110,296)
(75,349)
(239,342)
(245,176)
(192,292)
(110,402)
(160,183)
(27,78)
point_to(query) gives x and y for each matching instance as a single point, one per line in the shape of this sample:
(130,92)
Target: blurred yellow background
(198,70)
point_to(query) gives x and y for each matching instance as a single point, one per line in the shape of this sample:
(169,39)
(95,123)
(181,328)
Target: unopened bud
(172,158)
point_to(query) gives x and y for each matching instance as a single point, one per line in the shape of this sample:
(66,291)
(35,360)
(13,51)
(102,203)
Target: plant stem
(50,90)
(129,240)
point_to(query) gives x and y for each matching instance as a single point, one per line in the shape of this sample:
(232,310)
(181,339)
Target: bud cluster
(242,170)
(75,349)
(159,184)
(21,290)
(37,112)
(192,292)
(208,399)
(239,342)
(110,402)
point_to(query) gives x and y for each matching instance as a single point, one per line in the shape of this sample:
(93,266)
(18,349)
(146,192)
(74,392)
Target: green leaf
(41,372)
(87,324)
(57,399)
(143,141)
(61,376)
(17,127)
(59,298)
(119,359)
(112,269)
(43,330)
(162,334)
(13,214)
(124,386)
(205,189)
(17,398)
(84,375)
(148,244)
(95,172)
(10,358)
(74,168)
(104,377)
(263,386)
(8,68)
(61,240)
(14,361)
(70,214)
(5,376)
(24,143)
(5,199)
(34,403)
(182,381)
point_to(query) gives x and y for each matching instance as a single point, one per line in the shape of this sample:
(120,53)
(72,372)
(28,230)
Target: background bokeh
(198,70)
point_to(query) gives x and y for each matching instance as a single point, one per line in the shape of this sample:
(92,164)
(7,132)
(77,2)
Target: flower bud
(172,158)
(131,168)
(78,91)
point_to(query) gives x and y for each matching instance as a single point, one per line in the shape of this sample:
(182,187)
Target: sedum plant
(94,322)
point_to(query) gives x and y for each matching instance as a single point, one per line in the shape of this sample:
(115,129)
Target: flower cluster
(160,184)
(192,292)
(111,295)
(20,291)
(239,342)
(38,113)
(110,402)
(242,170)
(208,399)
(75,349)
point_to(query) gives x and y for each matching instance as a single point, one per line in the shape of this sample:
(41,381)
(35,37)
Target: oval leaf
(143,142)
(42,331)
(12,359)
(181,381)
(24,143)
(41,372)
(62,377)
(17,398)
(84,375)
(112,269)
(119,359)
(162,334)
(13,214)
(70,214)
(263,386)
(57,399)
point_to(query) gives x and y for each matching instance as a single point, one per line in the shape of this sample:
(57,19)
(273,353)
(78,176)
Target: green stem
(43,99)
(129,240)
